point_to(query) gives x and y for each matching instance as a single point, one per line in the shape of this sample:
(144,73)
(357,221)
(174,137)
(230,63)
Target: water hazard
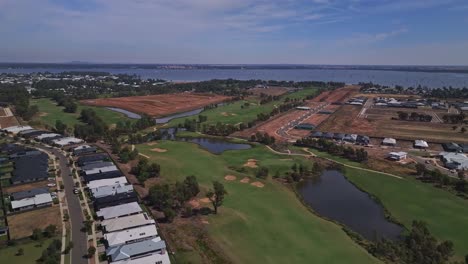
(331,195)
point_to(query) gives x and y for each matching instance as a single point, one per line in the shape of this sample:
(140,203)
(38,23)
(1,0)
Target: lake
(125,112)
(166,119)
(213,145)
(334,197)
(390,78)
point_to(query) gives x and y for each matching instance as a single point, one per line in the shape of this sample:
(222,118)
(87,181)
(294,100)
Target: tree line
(358,155)
(414,116)
(17,96)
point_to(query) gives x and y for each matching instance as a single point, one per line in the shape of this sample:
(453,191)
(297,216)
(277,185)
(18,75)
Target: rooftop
(106,182)
(28,193)
(137,233)
(36,200)
(116,224)
(161,258)
(122,252)
(111,190)
(119,210)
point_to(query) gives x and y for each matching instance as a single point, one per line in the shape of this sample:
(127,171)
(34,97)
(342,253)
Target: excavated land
(273,91)
(161,104)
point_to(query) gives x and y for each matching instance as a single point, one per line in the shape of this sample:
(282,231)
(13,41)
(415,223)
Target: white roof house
(137,249)
(107,182)
(452,160)
(119,210)
(129,235)
(126,222)
(156,258)
(47,135)
(111,190)
(397,155)
(101,170)
(67,141)
(420,144)
(389,141)
(38,200)
(17,129)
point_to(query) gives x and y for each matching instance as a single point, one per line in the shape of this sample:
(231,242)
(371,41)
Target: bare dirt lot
(22,224)
(161,104)
(8,121)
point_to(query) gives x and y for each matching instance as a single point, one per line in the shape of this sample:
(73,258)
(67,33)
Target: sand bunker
(245,180)
(230,178)
(257,184)
(194,203)
(224,114)
(152,143)
(205,222)
(251,163)
(43,114)
(160,150)
(204,200)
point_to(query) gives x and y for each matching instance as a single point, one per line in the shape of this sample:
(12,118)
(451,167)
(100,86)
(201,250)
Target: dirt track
(161,104)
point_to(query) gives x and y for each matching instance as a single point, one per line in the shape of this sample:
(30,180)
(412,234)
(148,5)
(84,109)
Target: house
(157,258)
(108,168)
(103,175)
(46,135)
(350,138)
(24,154)
(305,126)
(84,149)
(455,161)
(27,194)
(452,147)
(420,144)
(126,222)
(389,142)
(16,129)
(397,156)
(119,211)
(106,182)
(115,199)
(131,235)
(84,160)
(50,140)
(338,136)
(464,148)
(363,140)
(303,108)
(317,134)
(110,190)
(30,169)
(66,141)
(32,133)
(97,165)
(40,200)
(328,135)
(138,249)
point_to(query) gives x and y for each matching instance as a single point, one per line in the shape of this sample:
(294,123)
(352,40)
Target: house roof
(452,147)
(124,236)
(119,210)
(389,141)
(28,193)
(122,252)
(47,135)
(83,160)
(30,167)
(36,200)
(399,154)
(459,159)
(24,153)
(106,182)
(162,258)
(101,170)
(121,223)
(103,175)
(67,141)
(97,165)
(110,190)
(317,134)
(16,129)
(421,143)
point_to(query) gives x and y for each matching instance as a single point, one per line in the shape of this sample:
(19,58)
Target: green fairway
(32,251)
(49,113)
(409,199)
(258,225)
(234,113)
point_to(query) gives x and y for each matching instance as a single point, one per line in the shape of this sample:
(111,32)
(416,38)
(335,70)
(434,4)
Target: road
(79,238)
(283,131)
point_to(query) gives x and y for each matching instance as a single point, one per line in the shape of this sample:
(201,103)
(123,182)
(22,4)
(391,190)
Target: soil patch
(245,180)
(152,143)
(257,184)
(251,163)
(159,150)
(230,178)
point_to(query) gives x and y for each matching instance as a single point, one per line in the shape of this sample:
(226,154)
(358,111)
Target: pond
(125,112)
(331,195)
(213,145)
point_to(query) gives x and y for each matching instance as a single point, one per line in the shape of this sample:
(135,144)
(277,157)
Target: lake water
(334,197)
(390,78)
(213,145)
(166,119)
(125,112)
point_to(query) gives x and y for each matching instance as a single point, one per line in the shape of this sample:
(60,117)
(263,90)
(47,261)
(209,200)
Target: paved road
(283,131)
(79,238)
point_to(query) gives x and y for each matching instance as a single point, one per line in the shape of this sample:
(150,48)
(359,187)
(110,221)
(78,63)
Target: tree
(170,214)
(91,251)
(216,195)
(463,130)
(20,252)
(262,172)
(60,127)
(37,234)
(50,230)
(420,169)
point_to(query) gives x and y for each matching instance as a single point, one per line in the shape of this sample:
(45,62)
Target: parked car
(51,185)
(75,191)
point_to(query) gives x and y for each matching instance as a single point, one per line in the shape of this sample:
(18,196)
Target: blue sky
(415,32)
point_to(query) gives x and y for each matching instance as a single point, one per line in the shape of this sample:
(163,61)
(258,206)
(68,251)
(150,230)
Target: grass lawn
(409,199)
(22,224)
(49,113)
(326,155)
(258,225)
(32,252)
(233,113)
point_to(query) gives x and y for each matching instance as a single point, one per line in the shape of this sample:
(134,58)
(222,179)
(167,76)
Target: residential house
(128,236)
(421,144)
(40,200)
(452,147)
(106,182)
(84,149)
(88,159)
(454,161)
(397,156)
(30,169)
(126,222)
(135,250)
(27,194)
(119,211)
(389,142)
(157,258)
(115,199)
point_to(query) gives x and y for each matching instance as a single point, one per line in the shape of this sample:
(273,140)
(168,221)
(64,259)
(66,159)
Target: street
(79,238)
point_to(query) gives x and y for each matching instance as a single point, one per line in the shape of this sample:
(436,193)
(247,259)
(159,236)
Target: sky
(377,32)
